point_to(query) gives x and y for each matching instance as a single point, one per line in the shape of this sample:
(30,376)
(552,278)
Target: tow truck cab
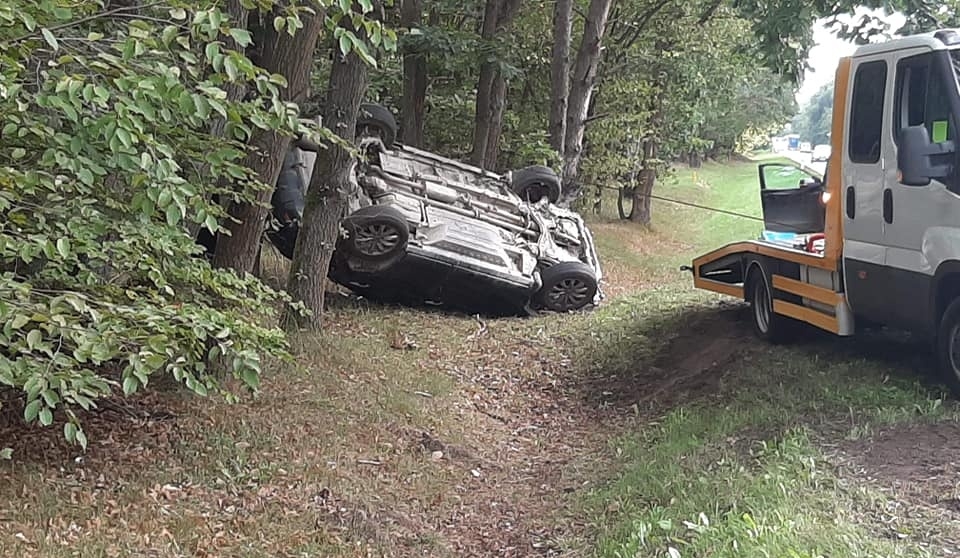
(888,251)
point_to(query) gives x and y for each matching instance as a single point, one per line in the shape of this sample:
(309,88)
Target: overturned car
(427,229)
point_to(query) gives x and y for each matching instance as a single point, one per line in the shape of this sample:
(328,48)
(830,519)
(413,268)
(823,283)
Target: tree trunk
(559,72)
(414,79)
(651,142)
(328,193)
(497,16)
(647,178)
(498,101)
(582,81)
(291,57)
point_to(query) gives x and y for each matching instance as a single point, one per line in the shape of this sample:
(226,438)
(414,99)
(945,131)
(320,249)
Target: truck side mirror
(915,157)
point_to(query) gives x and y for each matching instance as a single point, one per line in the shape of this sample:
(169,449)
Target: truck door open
(790,198)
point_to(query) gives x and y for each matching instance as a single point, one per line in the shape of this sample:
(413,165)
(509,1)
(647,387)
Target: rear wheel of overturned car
(567,286)
(536,182)
(376,236)
(375,120)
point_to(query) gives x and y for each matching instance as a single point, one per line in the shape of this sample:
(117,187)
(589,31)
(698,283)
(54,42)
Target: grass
(745,471)
(651,424)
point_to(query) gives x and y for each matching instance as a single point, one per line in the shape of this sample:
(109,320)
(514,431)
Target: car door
(920,98)
(863,184)
(790,198)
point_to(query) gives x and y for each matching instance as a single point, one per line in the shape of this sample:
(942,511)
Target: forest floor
(652,426)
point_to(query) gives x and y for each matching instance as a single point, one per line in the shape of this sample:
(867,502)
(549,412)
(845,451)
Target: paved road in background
(805,160)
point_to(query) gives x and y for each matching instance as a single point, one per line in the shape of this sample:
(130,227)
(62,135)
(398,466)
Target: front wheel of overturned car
(376,237)
(948,347)
(536,182)
(567,286)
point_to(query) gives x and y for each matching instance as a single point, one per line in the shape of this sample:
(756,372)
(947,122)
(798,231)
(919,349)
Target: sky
(825,56)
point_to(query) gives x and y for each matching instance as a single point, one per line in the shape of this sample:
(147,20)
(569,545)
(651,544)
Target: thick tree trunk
(651,142)
(291,57)
(498,101)
(328,193)
(413,104)
(559,72)
(647,178)
(497,16)
(583,79)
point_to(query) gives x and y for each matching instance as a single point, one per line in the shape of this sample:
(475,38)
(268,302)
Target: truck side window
(866,120)
(921,99)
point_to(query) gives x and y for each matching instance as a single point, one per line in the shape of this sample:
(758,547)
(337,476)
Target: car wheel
(767,324)
(535,183)
(284,239)
(376,234)
(948,347)
(377,121)
(567,286)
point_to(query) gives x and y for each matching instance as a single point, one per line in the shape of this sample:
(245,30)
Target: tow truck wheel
(767,324)
(948,347)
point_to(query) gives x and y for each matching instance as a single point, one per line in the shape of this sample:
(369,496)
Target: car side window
(866,123)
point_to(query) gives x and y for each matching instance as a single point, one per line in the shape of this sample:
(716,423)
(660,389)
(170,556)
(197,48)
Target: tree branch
(74,23)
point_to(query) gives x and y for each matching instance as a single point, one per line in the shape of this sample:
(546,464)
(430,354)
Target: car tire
(284,239)
(535,182)
(948,347)
(376,235)
(567,286)
(377,120)
(767,324)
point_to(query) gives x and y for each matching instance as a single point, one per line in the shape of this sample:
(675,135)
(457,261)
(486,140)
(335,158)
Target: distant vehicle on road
(821,153)
(805,147)
(793,142)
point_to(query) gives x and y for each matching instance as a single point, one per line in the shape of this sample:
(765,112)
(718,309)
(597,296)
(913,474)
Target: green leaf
(32,409)
(34,338)
(130,385)
(70,431)
(51,40)
(86,176)
(46,416)
(28,21)
(173,215)
(178,14)
(345,44)
(19,321)
(63,247)
(242,37)
(251,378)
(6,453)
(82,439)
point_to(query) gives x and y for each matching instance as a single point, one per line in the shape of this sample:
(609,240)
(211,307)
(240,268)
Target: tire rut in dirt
(690,365)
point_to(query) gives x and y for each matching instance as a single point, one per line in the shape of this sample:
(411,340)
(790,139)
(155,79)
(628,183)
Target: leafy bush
(117,134)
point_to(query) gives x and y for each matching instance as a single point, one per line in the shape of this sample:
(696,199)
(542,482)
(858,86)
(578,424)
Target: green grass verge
(744,473)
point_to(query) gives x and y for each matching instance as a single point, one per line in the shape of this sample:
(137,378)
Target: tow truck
(877,240)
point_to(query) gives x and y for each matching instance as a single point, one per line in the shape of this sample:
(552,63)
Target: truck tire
(376,237)
(377,120)
(767,325)
(536,182)
(948,347)
(567,286)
